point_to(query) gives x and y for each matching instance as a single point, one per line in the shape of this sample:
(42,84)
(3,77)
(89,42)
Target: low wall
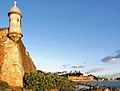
(23,89)
(17,89)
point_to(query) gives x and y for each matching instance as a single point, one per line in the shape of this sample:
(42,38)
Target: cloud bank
(118,54)
(77,66)
(95,70)
(111,59)
(65,66)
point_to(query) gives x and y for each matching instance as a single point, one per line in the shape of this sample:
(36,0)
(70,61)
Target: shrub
(39,80)
(4,84)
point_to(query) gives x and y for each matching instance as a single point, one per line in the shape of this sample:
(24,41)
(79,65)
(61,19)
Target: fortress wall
(3,34)
(14,60)
(26,59)
(81,78)
(11,69)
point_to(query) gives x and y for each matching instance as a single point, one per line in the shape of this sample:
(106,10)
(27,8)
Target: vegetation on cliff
(40,81)
(4,84)
(73,74)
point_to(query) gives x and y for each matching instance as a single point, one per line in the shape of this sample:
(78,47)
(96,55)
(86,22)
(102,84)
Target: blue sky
(70,32)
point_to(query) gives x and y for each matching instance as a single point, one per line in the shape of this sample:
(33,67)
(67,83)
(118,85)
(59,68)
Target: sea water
(113,84)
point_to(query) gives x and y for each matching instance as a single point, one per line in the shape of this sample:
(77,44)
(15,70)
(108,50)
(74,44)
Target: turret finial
(15,3)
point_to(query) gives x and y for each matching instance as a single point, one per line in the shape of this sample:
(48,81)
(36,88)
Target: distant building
(81,78)
(14,59)
(78,76)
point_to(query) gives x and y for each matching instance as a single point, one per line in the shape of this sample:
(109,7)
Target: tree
(40,80)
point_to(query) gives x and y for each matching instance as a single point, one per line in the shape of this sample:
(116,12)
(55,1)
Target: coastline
(87,86)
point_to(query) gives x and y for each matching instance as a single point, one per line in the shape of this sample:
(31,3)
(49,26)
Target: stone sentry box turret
(15,17)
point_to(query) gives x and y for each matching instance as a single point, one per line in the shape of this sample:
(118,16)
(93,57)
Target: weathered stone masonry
(14,59)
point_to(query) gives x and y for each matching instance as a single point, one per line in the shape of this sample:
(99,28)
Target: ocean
(113,84)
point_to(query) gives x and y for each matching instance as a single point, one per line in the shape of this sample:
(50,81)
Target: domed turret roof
(15,9)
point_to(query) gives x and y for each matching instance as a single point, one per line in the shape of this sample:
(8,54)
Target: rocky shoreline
(89,87)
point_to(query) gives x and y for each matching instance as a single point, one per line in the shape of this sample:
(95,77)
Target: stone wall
(14,60)
(17,89)
(26,59)
(81,78)
(3,38)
